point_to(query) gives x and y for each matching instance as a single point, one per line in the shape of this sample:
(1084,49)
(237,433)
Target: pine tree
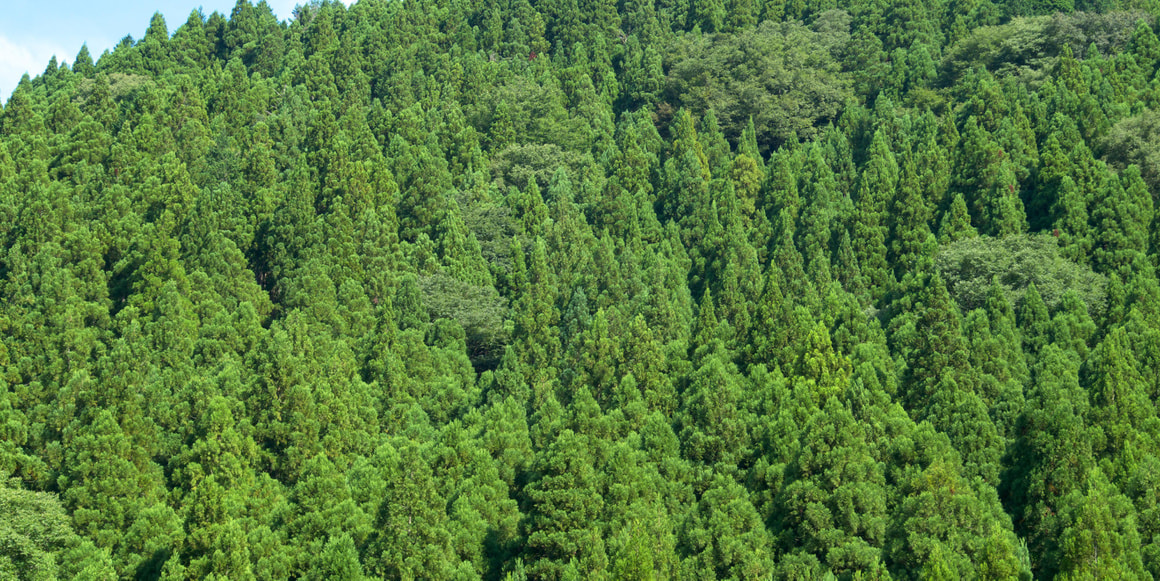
(714,423)
(1053,454)
(911,238)
(412,538)
(1120,396)
(1100,535)
(846,269)
(956,222)
(725,536)
(819,370)
(562,530)
(790,268)
(835,506)
(1072,223)
(1121,217)
(645,362)
(822,208)
(83,63)
(964,531)
(687,177)
(536,317)
(876,186)
(939,351)
(1003,213)
(1034,322)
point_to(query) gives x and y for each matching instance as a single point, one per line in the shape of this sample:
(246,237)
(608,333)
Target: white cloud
(17,58)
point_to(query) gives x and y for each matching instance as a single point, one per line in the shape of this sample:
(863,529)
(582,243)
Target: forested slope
(583,289)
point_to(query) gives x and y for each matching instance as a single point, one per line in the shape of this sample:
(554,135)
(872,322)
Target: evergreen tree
(563,534)
(586,289)
(1121,216)
(1120,396)
(411,535)
(835,508)
(1100,533)
(939,352)
(876,187)
(911,238)
(956,222)
(724,535)
(1052,456)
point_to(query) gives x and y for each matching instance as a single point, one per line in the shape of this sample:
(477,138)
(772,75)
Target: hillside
(583,289)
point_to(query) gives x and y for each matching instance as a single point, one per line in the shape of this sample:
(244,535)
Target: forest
(588,289)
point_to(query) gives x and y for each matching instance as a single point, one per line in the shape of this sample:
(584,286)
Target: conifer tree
(911,238)
(1034,322)
(822,209)
(549,290)
(789,263)
(841,520)
(939,351)
(536,318)
(1100,533)
(412,538)
(724,535)
(1072,223)
(1121,217)
(1053,453)
(956,222)
(876,187)
(781,185)
(715,426)
(1120,396)
(562,531)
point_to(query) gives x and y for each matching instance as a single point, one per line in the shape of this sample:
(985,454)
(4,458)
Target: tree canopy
(579,289)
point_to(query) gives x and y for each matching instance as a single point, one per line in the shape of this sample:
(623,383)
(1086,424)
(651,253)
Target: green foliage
(725,537)
(39,541)
(1132,141)
(478,309)
(969,267)
(571,289)
(780,75)
(1100,537)
(1028,45)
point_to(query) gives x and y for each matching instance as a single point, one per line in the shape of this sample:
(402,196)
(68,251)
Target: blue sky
(32,31)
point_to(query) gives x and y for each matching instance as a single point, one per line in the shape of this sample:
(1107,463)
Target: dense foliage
(584,289)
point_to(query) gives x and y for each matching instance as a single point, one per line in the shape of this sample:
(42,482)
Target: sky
(32,31)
